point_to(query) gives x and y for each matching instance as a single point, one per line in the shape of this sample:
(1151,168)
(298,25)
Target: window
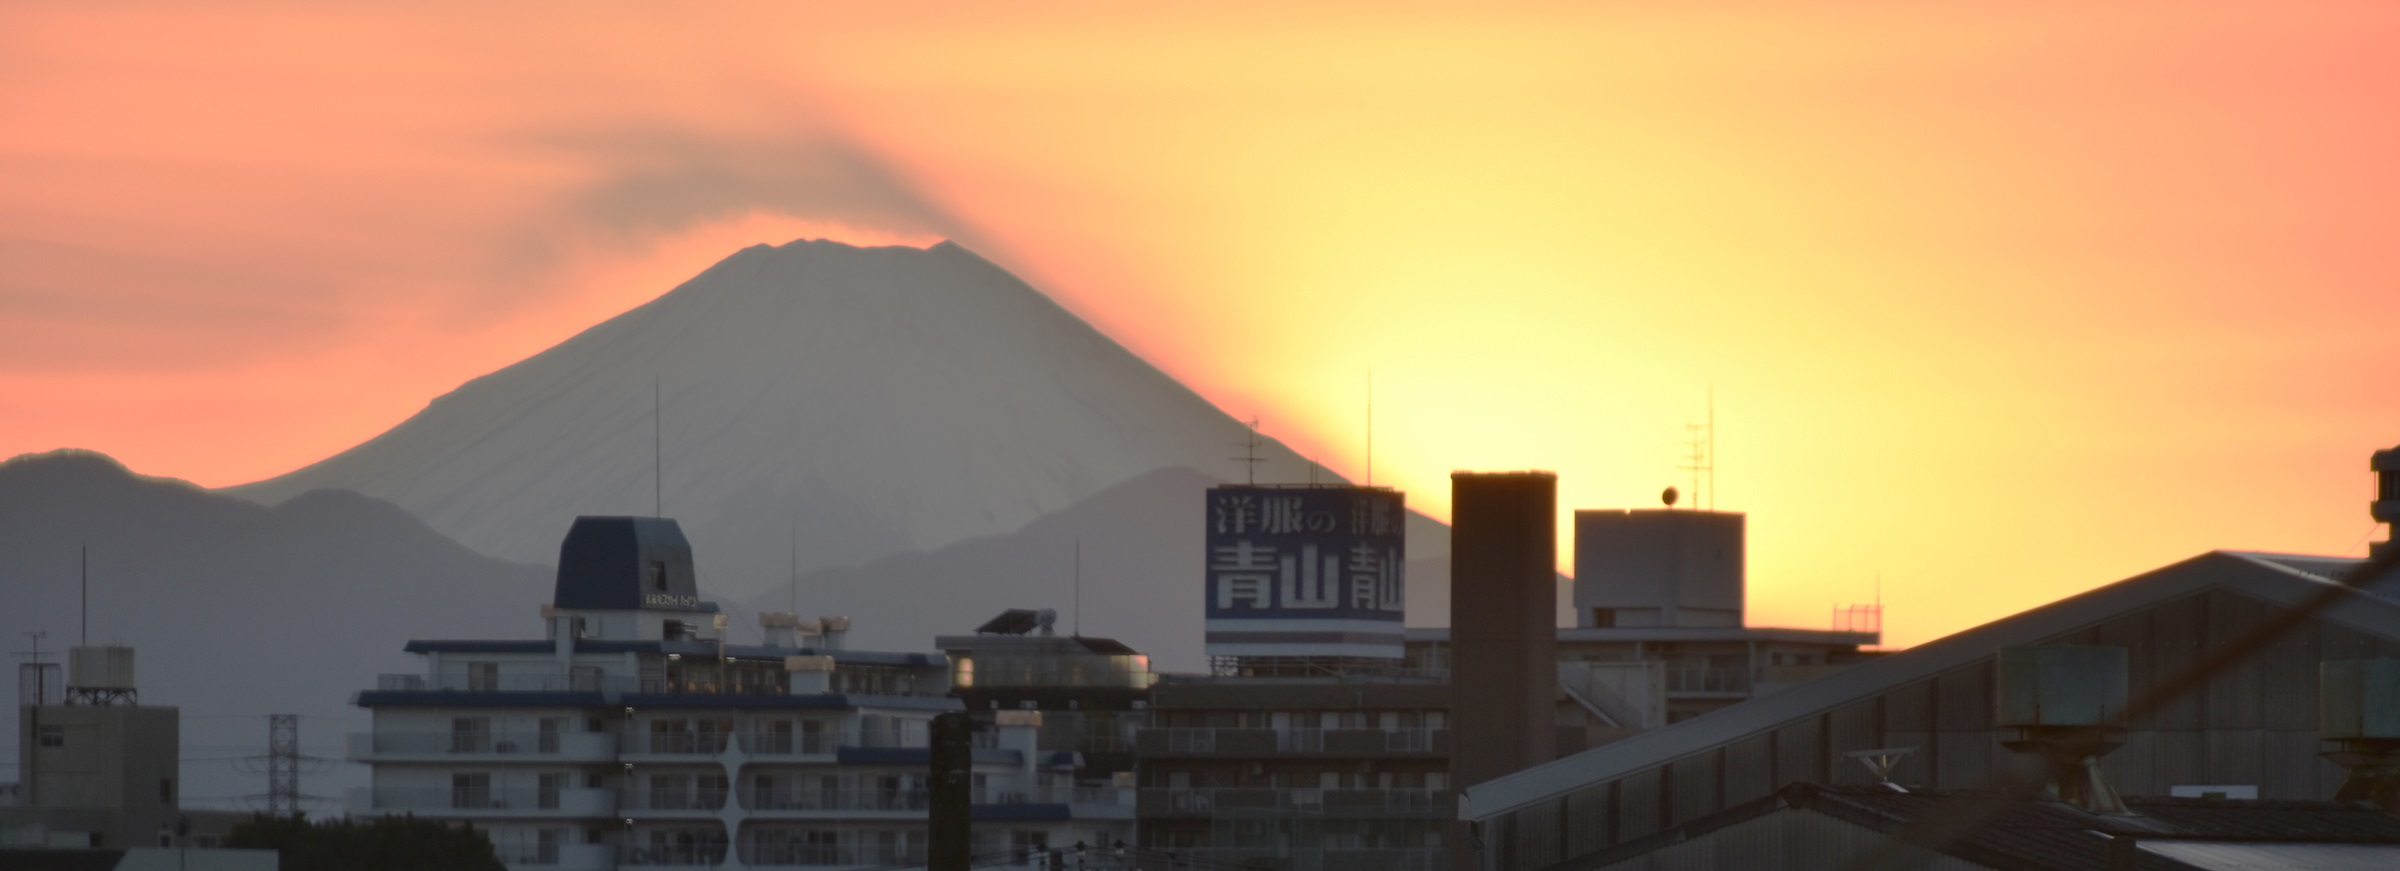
(470,734)
(54,736)
(483,677)
(658,577)
(471,790)
(166,790)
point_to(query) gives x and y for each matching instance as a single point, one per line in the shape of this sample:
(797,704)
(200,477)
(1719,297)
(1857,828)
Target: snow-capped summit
(869,401)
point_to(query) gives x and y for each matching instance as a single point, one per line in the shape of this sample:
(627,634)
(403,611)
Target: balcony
(1268,801)
(1725,682)
(670,803)
(1083,801)
(780,745)
(638,743)
(506,683)
(433,746)
(761,853)
(1288,742)
(449,803)
(799,800)
(1320,859)
(559,857)
(671,856)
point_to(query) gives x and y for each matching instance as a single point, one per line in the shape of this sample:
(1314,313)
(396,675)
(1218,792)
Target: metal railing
(596,745)
(1713,679)
(790,743)
(1320,859)
(1336,802)
(798,798)
(672,855)
(1292,740)
(764,853)
(806,798)
(565,801)
(672,799)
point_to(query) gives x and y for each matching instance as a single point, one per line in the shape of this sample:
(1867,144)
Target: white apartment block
(635,735)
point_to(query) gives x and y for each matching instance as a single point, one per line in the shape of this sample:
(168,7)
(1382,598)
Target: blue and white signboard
(1306,571)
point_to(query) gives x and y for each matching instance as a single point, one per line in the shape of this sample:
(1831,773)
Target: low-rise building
(635,734)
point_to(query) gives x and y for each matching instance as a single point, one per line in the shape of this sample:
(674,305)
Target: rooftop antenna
(1370,426)
(35,654)
(1079,586)
(658,454)
(1701,456)
(795,567)
(87,596)
(1249,458)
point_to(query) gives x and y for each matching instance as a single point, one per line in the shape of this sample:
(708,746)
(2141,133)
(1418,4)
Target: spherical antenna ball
(1668,497)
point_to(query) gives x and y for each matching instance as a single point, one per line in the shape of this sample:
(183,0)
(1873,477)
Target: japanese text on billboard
(1319,552)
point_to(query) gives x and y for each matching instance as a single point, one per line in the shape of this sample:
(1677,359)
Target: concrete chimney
(2386,507)
(1503,623)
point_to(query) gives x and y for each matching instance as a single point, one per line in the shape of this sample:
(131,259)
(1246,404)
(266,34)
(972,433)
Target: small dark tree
(378,844)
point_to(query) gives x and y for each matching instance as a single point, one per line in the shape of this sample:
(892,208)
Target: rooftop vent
(2065,705)
(2358,721)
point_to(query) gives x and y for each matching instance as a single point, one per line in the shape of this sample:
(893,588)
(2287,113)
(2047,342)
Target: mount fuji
(818,406)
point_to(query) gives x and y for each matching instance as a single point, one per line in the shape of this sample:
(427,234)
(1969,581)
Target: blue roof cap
(624,563)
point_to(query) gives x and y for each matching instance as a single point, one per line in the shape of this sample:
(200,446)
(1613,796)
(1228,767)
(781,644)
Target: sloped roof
(2054,835)
(2277,579)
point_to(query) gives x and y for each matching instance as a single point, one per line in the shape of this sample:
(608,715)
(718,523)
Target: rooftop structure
(1810,826)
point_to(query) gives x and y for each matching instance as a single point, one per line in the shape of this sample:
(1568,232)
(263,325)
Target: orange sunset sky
(1998,301)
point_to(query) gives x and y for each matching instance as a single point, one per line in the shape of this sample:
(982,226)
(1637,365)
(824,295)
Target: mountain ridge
(848,403)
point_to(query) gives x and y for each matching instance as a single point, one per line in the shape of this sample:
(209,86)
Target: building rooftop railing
(1369,859)
(1261,801)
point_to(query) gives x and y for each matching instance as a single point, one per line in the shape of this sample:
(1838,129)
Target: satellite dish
(1044,619)
(1668,497)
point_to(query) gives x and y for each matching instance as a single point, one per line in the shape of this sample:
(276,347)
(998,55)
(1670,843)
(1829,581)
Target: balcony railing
(1237,801)
(561,856)
(805,799)
(491,802)
(1262,741)
(765,853)
(790,743)
(800,798)
(672,855)
(1320,859)
(538,745)
(656,799)
(1731,680)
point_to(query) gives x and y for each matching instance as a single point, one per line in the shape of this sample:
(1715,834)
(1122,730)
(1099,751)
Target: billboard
(1305,571)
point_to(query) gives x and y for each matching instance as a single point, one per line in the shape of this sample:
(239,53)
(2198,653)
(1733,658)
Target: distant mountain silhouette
(858,403)
(1141,565)
(235,610)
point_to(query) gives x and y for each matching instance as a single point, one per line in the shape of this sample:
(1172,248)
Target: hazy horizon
(1996,302)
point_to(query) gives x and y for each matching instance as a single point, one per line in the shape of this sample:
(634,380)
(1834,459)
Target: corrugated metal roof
(2224,856)
(2274,579)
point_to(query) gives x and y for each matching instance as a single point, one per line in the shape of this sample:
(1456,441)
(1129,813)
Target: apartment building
(635,734)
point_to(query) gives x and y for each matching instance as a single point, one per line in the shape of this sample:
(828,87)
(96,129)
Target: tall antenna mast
(1700,456)
(1249,458)
(795,568)
(1079,586)
(658,454)
(87,595)
(1370,426)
